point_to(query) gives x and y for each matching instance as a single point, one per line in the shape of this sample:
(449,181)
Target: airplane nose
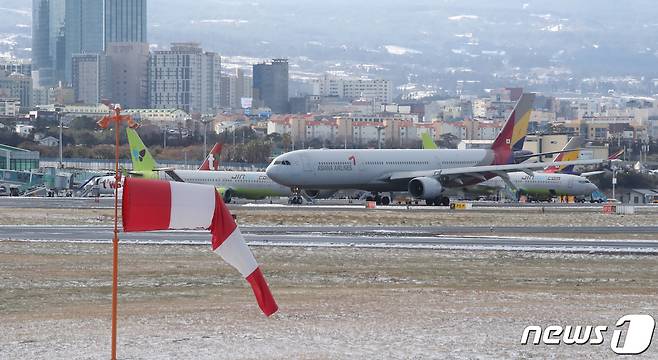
(272,172)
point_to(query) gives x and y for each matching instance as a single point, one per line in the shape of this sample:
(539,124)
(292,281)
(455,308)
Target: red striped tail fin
(514,131)
(571,152)
(212,160)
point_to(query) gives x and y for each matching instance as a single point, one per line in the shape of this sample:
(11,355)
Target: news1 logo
(637,338)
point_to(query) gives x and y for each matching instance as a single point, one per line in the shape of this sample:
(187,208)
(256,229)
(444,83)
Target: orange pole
(115,241)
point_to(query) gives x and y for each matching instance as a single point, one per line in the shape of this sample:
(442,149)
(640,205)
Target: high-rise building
(270,85)
(225,91)
(16,86)
(129,69)
(378,90)
(62,28)
(48,40)
(91,82)
(234,88)
(185,77)
(83,31)
(125,21)
(17,66)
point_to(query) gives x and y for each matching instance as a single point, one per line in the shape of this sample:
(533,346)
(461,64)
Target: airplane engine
(425,188)
(319,194)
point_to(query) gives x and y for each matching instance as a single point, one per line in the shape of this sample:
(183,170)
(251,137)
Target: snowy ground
(346,303)
(358,216)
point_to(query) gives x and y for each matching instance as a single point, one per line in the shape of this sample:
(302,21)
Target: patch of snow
(17,11)
(553,28)
(222,21)
(463,17)
(494,52)
(399,50)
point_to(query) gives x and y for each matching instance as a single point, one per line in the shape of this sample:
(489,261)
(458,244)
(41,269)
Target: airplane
(425,174)
(240,184)
(550,182)
(105,184)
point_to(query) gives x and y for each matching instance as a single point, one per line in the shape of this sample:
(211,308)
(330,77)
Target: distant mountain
(439,43)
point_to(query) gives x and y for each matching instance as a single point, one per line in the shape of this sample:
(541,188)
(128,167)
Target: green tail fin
(141,157)
(428,143)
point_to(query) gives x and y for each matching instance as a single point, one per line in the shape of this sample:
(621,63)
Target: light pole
(379,135)
(59,120)
(614,181)
(205,120)
(166,132)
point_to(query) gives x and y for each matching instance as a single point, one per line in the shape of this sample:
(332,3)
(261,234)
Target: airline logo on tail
(573,145)
(141,157)
(212,160)
(512,136)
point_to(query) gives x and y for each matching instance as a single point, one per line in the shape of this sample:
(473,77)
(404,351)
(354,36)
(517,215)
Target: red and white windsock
(160,205)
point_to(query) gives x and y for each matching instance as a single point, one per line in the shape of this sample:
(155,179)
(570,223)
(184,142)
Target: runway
(325,205)
(384,237)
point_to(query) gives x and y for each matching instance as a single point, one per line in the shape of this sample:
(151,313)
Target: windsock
(149,205)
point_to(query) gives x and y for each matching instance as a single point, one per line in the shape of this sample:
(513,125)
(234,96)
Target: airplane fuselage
(366,169)
(243,184)
(544,184)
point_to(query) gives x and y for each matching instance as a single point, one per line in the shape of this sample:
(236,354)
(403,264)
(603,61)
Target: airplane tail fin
(428,143)
(571,152)
(515,129)
(141,157)
(212,160)
(616,155)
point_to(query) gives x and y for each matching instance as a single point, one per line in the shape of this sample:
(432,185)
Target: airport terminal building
(13,158)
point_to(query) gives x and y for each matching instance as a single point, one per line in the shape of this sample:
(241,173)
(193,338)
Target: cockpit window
(285,162)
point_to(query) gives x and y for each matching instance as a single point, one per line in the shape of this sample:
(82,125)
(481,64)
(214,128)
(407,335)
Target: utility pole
(166,132)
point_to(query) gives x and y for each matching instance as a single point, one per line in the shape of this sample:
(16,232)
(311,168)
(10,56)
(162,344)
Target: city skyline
(564,48)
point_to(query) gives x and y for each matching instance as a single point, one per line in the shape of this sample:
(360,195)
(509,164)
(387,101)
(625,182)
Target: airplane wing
(480,172)
(172,174)
(592,173)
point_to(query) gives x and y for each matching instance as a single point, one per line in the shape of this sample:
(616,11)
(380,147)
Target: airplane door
(570,183)
(307,164)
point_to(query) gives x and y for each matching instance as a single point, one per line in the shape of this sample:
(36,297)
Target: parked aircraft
(424,173)
(240,184)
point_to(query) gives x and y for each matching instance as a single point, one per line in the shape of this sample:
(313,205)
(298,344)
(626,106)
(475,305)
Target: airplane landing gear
(296,200)
(379,199)
(296,197)
(441,201)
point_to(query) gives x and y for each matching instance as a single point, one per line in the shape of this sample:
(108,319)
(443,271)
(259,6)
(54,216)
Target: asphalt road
(331,236)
